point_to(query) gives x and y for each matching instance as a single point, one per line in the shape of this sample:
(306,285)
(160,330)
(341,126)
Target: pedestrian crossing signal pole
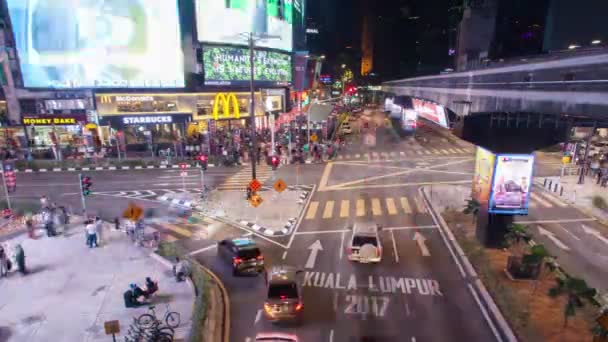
(85,185)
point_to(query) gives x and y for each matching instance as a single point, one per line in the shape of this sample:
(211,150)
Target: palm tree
(576,290)
(472,208)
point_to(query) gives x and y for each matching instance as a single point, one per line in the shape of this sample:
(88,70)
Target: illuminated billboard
(223,21)
(482,179)
(432,112)
(512,184)
(230,66)
(98,44)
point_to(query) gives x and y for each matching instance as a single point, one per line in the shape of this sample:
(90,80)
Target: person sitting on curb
(134,296)
(151,287)
(181,269)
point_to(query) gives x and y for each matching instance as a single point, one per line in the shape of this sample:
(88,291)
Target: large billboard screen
(512,184)
(432,112)
(223,21)
(98,44)
(230,66)
(482,179)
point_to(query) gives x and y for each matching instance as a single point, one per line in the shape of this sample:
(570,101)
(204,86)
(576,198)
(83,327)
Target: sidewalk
(71,290)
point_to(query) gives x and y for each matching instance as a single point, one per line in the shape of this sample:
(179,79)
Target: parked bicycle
(147,320)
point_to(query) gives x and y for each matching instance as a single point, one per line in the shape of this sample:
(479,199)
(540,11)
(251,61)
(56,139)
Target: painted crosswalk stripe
(344,208)
(390,206)
(312,210)
(357,155)
(452,150)
(553,200)
(405,204)
(402,153)
(427,152)
(532,204)
(360,207)
(376,209)
(179,230)
(540,200)
(419,206)
(419,152)
(436,151)
(444,151)
(329,209)
(393,154)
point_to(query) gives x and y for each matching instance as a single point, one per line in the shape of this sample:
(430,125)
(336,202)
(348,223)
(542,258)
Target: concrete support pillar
(491,228)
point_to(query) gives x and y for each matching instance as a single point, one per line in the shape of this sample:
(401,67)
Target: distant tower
(367,42)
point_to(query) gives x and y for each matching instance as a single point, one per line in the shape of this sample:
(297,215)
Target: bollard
(555,189)
(545,183)
(550,184)
(561,191)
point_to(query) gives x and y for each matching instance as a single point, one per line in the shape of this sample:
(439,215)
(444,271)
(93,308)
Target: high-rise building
(575,23)
(367,40)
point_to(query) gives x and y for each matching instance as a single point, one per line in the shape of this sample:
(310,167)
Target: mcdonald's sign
(105,99)
(225,100)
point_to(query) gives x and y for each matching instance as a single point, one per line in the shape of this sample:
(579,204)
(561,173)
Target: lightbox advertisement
(482,179)
(230,66)
(512,184)
(432,112)
(223,21)
(98,44)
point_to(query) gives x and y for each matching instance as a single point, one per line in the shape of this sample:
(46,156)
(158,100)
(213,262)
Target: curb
(176,201)
(110,168)
(264,230)
(488,306)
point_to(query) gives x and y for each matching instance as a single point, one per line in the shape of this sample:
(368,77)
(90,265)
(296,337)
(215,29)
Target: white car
(365,246)
(276,337)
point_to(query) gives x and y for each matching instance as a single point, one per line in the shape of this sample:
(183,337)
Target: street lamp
(251,39)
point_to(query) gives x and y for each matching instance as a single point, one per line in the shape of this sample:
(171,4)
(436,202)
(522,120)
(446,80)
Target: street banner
(512,184)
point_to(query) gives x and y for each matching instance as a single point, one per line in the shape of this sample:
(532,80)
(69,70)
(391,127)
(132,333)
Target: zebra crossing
(241,179)
(374,206)
(396,155)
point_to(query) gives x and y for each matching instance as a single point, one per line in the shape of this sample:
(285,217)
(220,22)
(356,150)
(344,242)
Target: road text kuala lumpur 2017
(380,284)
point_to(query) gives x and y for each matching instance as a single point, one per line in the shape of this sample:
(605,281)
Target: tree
(575,290)
(472,208)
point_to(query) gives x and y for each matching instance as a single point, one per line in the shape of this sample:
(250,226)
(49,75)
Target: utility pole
(254,145)
(84,204)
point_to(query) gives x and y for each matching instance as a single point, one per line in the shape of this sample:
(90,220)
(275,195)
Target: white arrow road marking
(331,335)
(248,339)
(258,315)
(591,231)
(569,232)
(312,257)
(420,240)
(342,244)
(553,238)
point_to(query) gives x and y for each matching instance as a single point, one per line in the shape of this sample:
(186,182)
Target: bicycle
(148,320)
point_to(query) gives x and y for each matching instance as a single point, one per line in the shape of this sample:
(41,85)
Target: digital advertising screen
(432,112)
(223,21)
(230,66)
(482,179)
(512,184)
(98,43)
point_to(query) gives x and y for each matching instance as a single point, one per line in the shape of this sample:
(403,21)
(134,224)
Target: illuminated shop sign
(144,119)
(52,120)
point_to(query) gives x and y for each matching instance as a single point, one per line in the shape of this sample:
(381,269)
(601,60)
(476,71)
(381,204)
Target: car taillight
(282,297)
(378,251)
(237,261)
(260,257)
(299,306)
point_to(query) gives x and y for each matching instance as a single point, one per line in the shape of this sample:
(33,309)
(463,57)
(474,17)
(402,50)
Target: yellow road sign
(133,212)
(279,185)
(313,138)
(256,200)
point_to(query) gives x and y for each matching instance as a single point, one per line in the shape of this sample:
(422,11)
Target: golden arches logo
(105,99)
(225,100)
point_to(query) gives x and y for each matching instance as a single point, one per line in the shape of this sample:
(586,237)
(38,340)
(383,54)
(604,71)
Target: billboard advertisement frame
(508,189)
(124,54)
(482,184)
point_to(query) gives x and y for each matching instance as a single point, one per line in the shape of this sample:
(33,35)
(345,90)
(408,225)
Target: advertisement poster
(512,183)
(432,112)
(230,66)
(301,60)
(223,21)
(482,179)
(101,44)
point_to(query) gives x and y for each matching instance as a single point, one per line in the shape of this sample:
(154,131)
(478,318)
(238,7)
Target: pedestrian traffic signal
(275,162)
(183,166)
(85,185)
(203,159)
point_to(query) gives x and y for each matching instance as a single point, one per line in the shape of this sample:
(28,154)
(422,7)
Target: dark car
(242,254)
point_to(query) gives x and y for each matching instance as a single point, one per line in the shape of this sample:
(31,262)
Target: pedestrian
(4,262)
(48,223)
(116,223)
(66,216)
(29,224)
(91,234)
(181,269)
(44,202)
(98,229)
(20,259)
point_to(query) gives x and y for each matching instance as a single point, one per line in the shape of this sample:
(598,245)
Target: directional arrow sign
(420,240)
(591,231)
(314,250)
(553,238)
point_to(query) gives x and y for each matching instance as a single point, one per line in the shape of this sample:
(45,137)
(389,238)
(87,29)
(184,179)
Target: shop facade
(54,136)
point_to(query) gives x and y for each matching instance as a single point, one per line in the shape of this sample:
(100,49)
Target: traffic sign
(255,185)
(256,200)
(313,138)
(133,212)
(279,185)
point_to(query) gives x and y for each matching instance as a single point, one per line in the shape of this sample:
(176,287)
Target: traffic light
(275,162)
(183,166)
(85,185)
(203,158)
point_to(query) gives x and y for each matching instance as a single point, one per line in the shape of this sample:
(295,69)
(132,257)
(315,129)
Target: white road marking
(413,339)
(258,315)
(553,238)
(587,219)
(342,244)
(321,232)
(394,247)
(284,255)
(484,312)
(569,232)
(331,335)
(314,251)
(248,339)
(407,309)
(591,231)
(420,240)
(202,250)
